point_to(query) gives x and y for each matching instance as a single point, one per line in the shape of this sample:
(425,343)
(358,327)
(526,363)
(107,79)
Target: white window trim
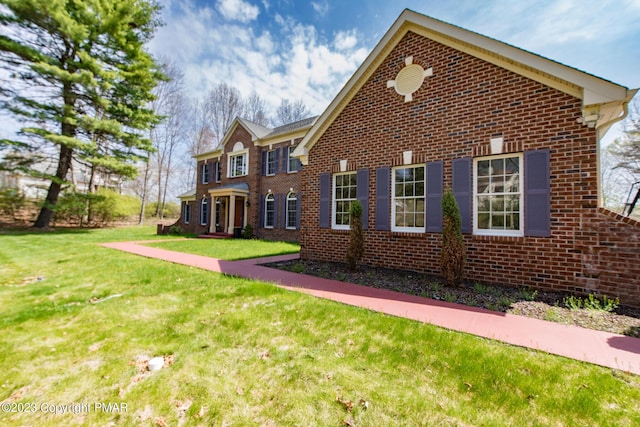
(273,199)
(203,218)
(393,201)
(286,210)
(186,218)
(334,200)
(510,233)
(271,152)
(289,151)
(230,156)
(204,175)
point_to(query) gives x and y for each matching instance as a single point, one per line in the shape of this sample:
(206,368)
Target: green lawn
(77,322)
(229,249)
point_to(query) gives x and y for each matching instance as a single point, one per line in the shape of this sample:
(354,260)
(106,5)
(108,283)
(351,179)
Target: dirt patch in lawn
(551,306)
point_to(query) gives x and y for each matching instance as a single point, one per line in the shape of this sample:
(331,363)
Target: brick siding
(258,185)
(453,115)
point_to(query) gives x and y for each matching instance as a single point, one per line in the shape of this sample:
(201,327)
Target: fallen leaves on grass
(16,395)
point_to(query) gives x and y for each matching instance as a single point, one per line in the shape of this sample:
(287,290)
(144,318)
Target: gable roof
(603,102)
(261,135)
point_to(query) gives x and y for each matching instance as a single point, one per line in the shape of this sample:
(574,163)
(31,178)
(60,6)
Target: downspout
(602,129)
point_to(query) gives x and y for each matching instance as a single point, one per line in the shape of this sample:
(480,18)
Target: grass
(229,249)
(249,353)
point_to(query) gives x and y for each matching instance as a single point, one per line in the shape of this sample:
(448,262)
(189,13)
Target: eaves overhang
(603,102)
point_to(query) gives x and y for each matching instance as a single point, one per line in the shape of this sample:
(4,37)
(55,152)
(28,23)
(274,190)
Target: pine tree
(453,254)
(80,82)
(355,251)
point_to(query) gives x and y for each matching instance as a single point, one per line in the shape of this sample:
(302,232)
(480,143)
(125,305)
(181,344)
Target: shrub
(12,200)
(355,250)
(453,256)
(109,206)
(72,207)
(247,232)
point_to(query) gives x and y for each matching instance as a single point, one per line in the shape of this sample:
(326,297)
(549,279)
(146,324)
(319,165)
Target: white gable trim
(603,101)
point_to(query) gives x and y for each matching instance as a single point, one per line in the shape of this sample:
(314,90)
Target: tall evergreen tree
(80,81)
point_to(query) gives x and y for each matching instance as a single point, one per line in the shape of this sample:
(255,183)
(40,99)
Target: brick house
(250,179)
(514,135)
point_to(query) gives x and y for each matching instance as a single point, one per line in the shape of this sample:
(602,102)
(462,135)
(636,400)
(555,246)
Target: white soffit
(590,89)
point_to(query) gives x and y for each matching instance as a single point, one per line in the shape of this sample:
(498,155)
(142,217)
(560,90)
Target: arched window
(269,211)
(292,210)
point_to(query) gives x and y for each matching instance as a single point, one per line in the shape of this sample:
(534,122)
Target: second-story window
(204,173)
(272,162)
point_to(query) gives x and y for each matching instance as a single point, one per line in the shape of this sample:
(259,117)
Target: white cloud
(321,8)
(284,59)
(345,40)
(238,10)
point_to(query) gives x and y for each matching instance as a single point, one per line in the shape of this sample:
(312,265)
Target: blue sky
(308,49)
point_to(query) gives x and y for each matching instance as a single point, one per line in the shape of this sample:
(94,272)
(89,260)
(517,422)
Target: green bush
(108,206)
(355,250)
(12,200)
(72,207)
(592,302)
(453,255)
(171,210)
(247,232)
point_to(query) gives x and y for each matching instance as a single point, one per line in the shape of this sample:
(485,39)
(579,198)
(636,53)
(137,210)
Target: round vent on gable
(409,79)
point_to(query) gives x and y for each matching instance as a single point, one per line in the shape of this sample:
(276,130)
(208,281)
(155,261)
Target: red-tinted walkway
(602,348)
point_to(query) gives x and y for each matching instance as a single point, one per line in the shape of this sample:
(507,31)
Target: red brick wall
(454,114)
(258,187)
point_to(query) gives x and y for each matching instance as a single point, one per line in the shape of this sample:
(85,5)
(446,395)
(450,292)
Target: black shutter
(383,188)
(298,210)
(283,211)
(537,194)
(462,190)
(264,163)
(434,196)
(362,194)
(325,200)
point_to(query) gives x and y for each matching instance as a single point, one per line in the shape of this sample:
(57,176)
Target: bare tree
(171,104)
(255,109)
(289,112)
(628,148)
(224,103)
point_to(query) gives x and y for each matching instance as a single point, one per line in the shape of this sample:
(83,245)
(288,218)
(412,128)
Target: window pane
(497,221)
(497,167)
(419,174)
(483,221)
(497,184)
(483,168)
(497,204)
(483,185)
(512,165)
(483,203)
(420,188)
(512,184)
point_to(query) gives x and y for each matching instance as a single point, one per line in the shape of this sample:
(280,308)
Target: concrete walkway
(601,348)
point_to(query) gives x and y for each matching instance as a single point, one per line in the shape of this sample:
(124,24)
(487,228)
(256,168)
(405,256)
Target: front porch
(229,215)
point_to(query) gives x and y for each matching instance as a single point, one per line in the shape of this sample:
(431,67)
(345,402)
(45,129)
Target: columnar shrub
(453,254)
(355,251)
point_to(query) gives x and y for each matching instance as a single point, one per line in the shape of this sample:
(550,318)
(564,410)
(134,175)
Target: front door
(239,215)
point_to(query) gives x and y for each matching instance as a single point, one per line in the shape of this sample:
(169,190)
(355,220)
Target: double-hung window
(344,193)
(272,162)
(293,164)
(204,211)
(186,213)
(238,164)
(269,211)
(204,173)
(408,199)
(498,195)
(292,210)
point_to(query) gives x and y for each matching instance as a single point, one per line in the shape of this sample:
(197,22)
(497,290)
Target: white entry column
(232,214)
